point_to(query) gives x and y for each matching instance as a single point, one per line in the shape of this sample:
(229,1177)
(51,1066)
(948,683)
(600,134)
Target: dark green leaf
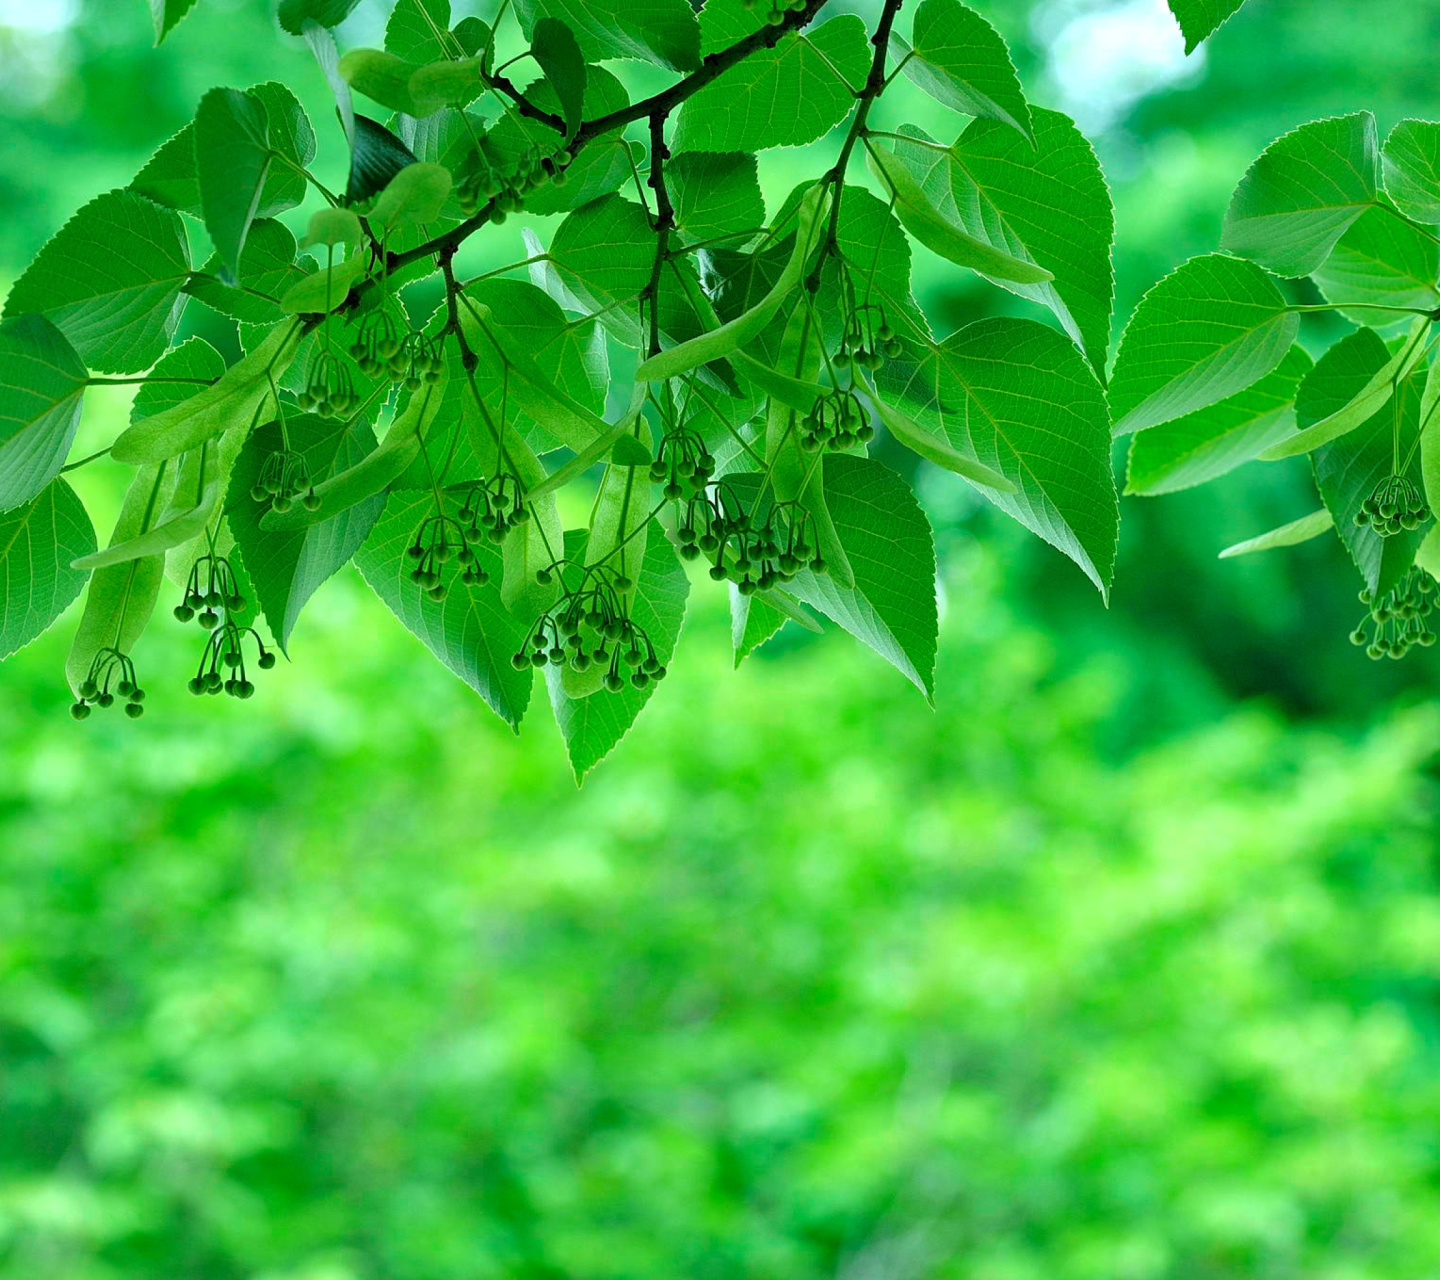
(37,543)
(294,14)
(166,13)
(268,269)
(660,31)
(41,382)
(110,281)
(1198,18)
(553,46)
(376,156)
(715,194)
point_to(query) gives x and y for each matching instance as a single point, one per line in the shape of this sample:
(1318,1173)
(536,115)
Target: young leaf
(470,631)
(233,399)
(660,31)
(41,382)
(1410,165)
(110,281)
(959,59)
(593,725)
(1019,398)
(715,194)
(1046,203)
(166,13)
(294,14)
(333,226)
(1367,400)
(121,598)
(1299,197)
(376,156)
(1220,437)
(37,543)
(782,97)
(718,343)
(1209,329)
(287,567)
(1287,535)
(554,47)
(415,195)
(1381,261)
(892,606)
(932,229)
(1348,470)
(1198,18)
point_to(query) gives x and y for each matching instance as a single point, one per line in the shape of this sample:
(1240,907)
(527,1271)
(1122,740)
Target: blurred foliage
(1093,973)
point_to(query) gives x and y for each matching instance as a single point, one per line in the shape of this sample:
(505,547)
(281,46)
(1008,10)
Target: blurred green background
(1123,963)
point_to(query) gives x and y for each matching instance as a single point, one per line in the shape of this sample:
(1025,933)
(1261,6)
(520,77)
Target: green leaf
(629,451)
(1220,437)
(470,631)
(37,543)
(381,77)
(268,268)
(716,344)
(292,138)
(1048,204)
(1348,469)
(715,194)
(660,31)
(1287,535)
(333,226)
(1430,437)
(1299,197)
(294,14)
(1210,328)
(1019,398)
(553,46)
(782,97)
(286,568)
(185,518)
(753,621)
(110,281)
(1368,400)
(166,14)
(41,382)
(1410,165)
(233,399)
(324,290)
(122,597)
(233,155)
(448,83)
(1381,261)
(416,195)
(959,59)
(914,437)
(376,156)
(1198,18)
(923,220)
(169,177)
(419,31)
(592,726)
(892,606)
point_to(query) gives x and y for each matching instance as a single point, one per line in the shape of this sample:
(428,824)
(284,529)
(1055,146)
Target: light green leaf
(715,194)
(332,226)
(1198,18)
(1287,535)
(1430,436)
(37,543)
(959,59)
(1018,397)
(1347,470)
(415,195)
(659,31)
(1299,197)
(294,14)
(41,382)
(286,568)
(448,83)
(593,725)
(782,97)
(1381,261)
(470,631)
(166,13)
(233,399)
(174,527)
(754,619)
(1209,329)
(1220,437)
(419,31)
(914,437)
(794,393)
(324,290)
(932,229)
(1410,165)
(718,343)
(381,77)
(553,46)
(122,597)
(1047,204)
(1368,400)
(110,280)
(892,606)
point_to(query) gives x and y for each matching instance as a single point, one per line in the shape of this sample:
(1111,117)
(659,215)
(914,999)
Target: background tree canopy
(1120,963)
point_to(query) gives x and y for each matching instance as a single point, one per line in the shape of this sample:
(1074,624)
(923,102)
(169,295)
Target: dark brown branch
(664,224)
